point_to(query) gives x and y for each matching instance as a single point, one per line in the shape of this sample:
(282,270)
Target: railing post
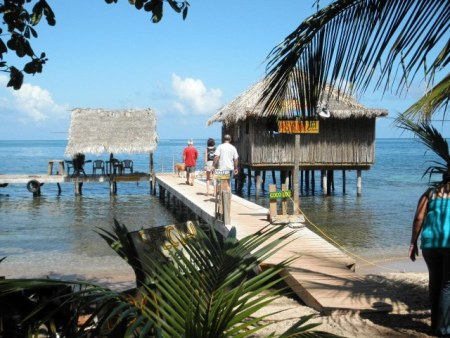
(226,201)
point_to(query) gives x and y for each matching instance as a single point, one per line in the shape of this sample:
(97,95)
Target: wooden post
(78,187)
(329,182)
(313,181)
(272,203)
(343,182)
(226,201)
(249,180)
(358,183)
(284,202)
(332,179)
(274,178)
(152,184)
(295,184)
(283,176)
(263,183)
(59,188)
(302,173)
(324,182)
(257,182)
(307,180)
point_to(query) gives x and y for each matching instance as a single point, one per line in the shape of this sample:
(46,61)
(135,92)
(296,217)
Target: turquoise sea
(55,234)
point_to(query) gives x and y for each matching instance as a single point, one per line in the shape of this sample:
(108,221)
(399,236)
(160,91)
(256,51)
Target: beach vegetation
(208,286)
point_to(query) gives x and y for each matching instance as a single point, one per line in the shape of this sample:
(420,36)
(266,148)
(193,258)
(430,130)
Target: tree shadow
(414,315)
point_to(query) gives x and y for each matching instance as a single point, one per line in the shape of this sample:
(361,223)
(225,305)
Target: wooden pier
(324,277)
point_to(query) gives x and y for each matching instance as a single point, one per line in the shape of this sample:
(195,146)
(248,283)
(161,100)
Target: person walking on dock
(226,158)
(209,168)
(190,155)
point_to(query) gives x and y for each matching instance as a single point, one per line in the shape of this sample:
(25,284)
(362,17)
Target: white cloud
(194,97)
(32,101)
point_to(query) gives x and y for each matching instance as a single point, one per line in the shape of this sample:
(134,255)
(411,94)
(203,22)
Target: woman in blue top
(432,221)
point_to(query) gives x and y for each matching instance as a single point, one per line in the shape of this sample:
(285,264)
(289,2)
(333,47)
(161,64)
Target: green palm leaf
(350,43)
(208,288)
(436,99)
(432,139)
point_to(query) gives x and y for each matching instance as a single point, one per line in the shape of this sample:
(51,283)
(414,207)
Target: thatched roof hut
(345,139)
(97,131)
(250,105)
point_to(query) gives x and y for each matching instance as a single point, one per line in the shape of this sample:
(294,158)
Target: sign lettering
(280,194)
(298,127)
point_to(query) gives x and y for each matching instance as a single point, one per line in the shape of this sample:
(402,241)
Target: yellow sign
(273,195)
(298,127)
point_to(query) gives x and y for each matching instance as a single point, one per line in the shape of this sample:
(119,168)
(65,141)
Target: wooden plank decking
(322,277)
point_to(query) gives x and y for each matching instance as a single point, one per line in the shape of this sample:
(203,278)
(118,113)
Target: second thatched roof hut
(108,131)
(97,131)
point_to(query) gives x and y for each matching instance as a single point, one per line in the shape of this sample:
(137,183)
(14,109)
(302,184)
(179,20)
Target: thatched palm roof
(248,104)
(98,131)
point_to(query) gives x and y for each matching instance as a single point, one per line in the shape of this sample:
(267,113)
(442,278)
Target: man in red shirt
(190,155)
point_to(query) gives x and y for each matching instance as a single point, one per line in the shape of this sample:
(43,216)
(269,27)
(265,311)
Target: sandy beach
(403,282)
(409,318)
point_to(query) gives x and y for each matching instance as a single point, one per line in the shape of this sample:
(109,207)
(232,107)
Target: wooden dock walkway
(323,277)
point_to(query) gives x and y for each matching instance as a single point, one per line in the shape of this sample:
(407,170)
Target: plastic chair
(98,165)
(127,164)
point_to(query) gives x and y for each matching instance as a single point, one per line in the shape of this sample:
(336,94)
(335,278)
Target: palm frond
(436,99)
(432,139)
(351,42)
(207,288)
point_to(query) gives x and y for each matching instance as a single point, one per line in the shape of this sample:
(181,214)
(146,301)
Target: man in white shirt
(226,157)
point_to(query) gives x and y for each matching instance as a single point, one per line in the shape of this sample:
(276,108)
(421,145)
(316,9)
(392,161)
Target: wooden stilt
(274,178)
(313,180)
(329,181)
(273,210)
(302,173)
(226,201)
(78,188)
(283,176)
(307,180)
(324,182)
(153,182)
(59,188)
(332,179)
(249,180)
(358,183)
(284,201)
(263,183)
(343,182)
(291,180)
(257,182)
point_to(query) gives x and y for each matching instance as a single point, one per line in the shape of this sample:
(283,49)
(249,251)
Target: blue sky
(113,56)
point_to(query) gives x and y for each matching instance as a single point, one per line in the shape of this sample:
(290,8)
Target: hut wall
(339,143)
